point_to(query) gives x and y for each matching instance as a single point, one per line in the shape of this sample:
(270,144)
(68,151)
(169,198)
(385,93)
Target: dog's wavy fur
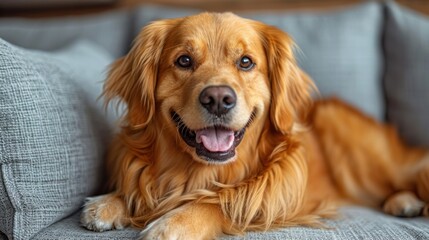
(296,161)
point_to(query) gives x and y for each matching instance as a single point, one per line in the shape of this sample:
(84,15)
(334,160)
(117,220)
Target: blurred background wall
(53,8)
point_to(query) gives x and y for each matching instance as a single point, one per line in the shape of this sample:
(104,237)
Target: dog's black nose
(218,100)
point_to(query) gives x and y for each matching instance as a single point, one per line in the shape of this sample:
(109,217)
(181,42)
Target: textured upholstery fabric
(70,228)
(109,30)
(407,73)
(52,134)
(355,223)
(339,49)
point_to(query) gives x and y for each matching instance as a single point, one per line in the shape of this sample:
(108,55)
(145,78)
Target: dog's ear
(290,87)
(133,77)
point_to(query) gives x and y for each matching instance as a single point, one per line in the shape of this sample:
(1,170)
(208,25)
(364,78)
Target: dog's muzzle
(214,144)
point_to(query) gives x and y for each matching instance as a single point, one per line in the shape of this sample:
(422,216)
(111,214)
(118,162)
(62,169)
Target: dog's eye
(246,63)
(184,61)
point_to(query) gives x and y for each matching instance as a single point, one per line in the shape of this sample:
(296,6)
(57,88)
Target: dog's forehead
(212,21)
(217,30)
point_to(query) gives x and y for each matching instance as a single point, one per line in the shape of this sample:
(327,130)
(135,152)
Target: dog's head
(206,80)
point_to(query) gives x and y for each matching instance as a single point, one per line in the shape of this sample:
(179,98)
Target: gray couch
(53,132)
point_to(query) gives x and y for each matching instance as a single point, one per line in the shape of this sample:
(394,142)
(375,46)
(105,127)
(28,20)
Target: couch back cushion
(340,49)
(52,134)
(109,30)
(407,73)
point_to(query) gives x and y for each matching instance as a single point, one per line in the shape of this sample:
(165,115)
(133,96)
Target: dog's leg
(422,183)
(368,161)
(414,202)
(104,213)
(422,180)
(191,221)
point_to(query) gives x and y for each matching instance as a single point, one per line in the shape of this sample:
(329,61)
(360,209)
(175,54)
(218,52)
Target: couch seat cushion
(355,223)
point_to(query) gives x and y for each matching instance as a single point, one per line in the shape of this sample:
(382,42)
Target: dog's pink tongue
(215,139)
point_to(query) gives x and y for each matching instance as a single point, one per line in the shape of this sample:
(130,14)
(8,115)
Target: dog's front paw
(103,213)
(187,222)
(169,228)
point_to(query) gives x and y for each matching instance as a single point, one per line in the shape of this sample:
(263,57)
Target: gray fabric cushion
(340,49)
(52,134)
(407,72)
(355,223)
(109,30)
(70,228)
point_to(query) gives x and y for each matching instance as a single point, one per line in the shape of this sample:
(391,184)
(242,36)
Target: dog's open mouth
(214,143)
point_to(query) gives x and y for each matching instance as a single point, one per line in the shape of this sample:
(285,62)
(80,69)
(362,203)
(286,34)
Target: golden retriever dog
(221,136)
